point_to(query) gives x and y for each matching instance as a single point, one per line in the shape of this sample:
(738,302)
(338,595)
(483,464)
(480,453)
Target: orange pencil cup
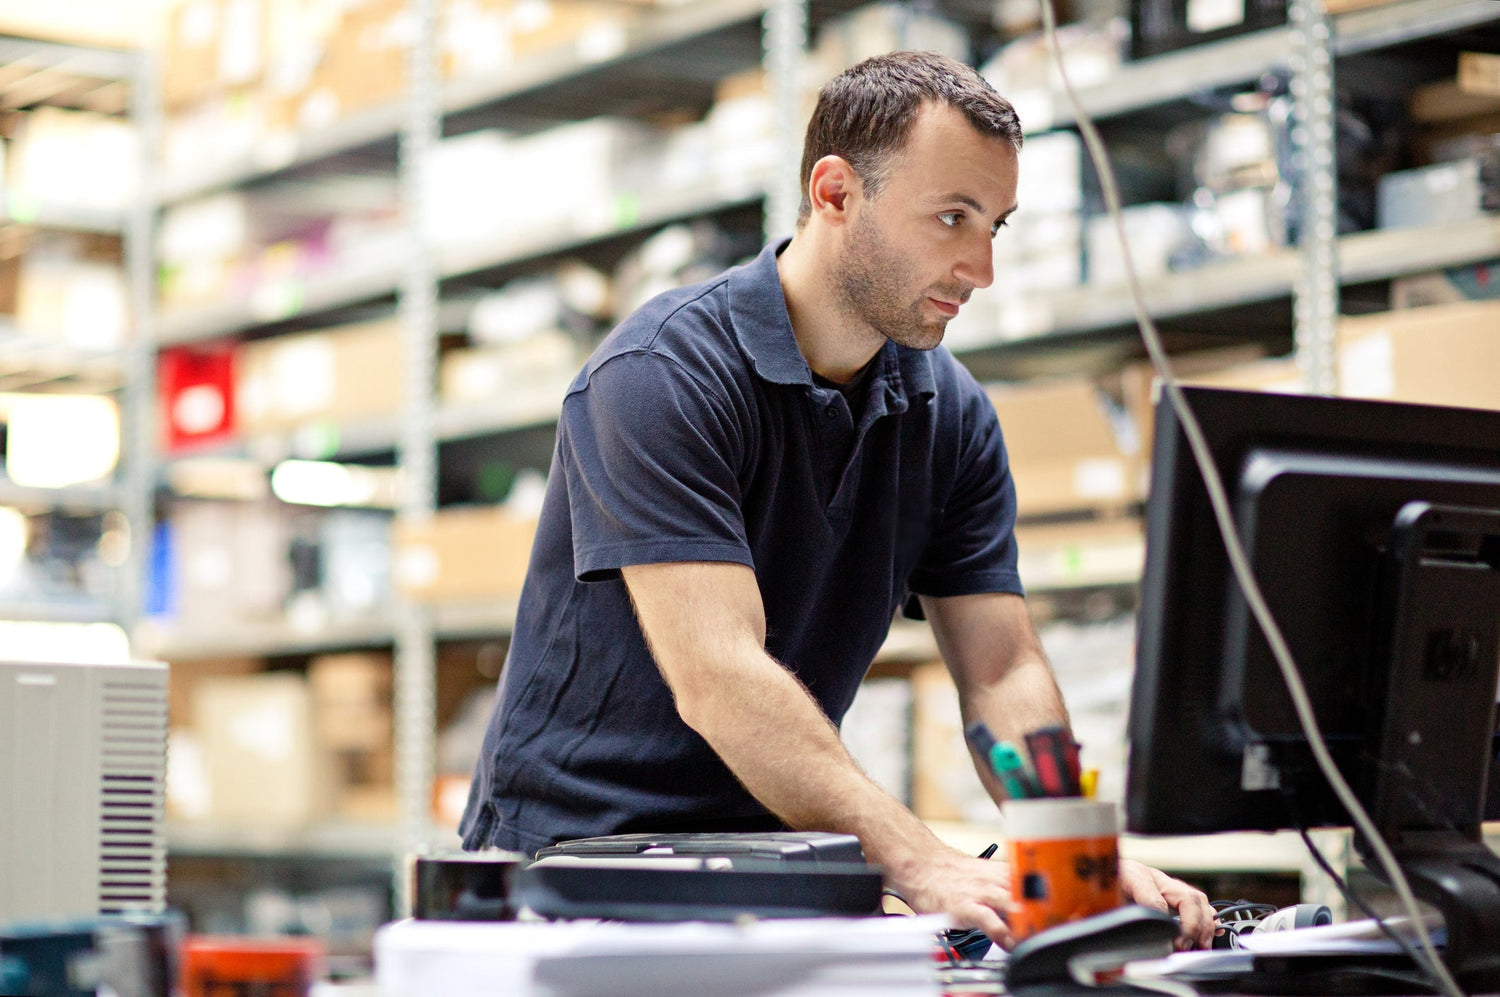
(1064,861)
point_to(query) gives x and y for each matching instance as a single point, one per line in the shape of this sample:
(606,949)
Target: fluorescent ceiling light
(313,482)
(54,441)
(81,642)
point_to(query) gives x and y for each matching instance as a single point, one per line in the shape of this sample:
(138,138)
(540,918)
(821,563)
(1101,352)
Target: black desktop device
(782,846)
(702,876)
(1373,529)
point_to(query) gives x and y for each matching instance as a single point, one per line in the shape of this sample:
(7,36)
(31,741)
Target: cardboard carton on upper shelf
(488,36)
(1442,355)
(363,64)
(340,374)
(1344,6)
(212,45)
(464,554)
(1068,450)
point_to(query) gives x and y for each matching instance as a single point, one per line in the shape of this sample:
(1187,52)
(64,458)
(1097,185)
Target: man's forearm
(780,745)
(1024,699)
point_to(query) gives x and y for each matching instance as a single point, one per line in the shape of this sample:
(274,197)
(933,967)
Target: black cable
(1418,958)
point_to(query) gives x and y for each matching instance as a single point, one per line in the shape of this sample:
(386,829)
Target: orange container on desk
(214,966)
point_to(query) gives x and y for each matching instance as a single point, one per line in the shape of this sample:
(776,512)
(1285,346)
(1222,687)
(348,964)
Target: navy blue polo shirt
(696,433)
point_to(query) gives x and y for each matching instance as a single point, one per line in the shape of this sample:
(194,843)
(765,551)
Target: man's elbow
(692,693)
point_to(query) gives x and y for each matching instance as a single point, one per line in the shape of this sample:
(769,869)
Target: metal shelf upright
(89,78)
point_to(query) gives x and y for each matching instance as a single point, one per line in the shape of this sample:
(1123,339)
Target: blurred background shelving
(337,262)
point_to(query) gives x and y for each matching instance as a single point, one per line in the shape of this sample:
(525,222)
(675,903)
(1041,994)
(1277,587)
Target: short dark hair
(865,114)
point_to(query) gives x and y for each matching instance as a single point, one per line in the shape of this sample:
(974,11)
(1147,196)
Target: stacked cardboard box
(353,718)
(1070,449)
(1442,355)
(462,554)
(341,374)
(265,765)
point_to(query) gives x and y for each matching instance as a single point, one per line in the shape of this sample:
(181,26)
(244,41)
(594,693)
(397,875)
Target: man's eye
(950,218)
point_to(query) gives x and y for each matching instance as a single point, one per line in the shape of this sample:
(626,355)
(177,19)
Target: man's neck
(835,345)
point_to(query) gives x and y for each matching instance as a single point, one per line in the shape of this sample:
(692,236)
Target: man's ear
(829,189)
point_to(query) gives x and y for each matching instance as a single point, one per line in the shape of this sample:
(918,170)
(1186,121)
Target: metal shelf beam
(374,279)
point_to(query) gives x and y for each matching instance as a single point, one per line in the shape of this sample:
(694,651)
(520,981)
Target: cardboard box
(462,554)
(212,45)
(1443,355)
(586,26)
(1344,6)
(1068,450)
(186,676)
(1090,552)
(341,374)
(265,765)
(1229,367)
(944,784)
(364,63)
(354,719)
(1479,72)
(352,703)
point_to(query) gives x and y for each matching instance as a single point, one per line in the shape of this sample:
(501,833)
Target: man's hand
(974,892)
(1153,888)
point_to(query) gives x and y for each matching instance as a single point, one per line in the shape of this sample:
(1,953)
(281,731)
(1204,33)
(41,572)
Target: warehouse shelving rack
(34,72)
(1036,335)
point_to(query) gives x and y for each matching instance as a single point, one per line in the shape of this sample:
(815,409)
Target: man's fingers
(1196,915)
(987,920)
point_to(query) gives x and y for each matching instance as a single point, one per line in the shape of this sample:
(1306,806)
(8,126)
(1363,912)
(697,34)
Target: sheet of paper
(826,957)
(1362,936)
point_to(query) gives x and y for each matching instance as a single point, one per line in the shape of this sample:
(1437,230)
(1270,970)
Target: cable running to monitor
(1220,502)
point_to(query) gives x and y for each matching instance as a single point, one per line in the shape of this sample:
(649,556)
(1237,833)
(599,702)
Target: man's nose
(977,264)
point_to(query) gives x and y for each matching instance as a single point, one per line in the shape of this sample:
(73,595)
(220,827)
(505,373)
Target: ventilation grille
(133,751)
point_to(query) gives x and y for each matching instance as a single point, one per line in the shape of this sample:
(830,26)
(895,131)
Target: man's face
(915,253)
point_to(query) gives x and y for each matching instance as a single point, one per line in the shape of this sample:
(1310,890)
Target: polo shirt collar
(757,307)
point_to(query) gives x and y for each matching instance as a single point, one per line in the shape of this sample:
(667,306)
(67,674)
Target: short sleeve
(649,456)
(973,545)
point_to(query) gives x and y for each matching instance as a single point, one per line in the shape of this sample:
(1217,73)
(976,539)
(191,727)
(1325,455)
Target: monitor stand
(1435,723)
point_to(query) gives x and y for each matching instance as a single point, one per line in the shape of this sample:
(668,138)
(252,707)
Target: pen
(1008,765)
(1054,754)
(990,851)
(1010,769)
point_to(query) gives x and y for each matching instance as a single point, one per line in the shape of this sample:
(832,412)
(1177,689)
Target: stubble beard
(868,281)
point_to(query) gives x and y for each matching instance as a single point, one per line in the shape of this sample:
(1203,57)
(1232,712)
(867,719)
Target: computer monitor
(1373,529)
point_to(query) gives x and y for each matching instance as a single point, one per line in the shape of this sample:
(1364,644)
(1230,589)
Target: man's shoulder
(682,320)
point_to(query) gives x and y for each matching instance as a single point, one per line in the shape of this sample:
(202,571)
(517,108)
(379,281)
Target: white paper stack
(826,957)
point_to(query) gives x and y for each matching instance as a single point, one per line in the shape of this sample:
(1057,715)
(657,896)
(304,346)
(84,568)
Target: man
(751,477)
